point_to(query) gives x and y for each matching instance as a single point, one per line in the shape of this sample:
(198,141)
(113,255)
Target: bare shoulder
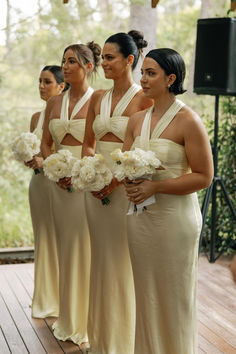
(190,124)
(144,102)
(97,95)
(96,99)
(189,117)
(137,118)
(35,117)
(34,121)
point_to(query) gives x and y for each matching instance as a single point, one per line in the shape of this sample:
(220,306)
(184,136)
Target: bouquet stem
(36,171)
(105,201)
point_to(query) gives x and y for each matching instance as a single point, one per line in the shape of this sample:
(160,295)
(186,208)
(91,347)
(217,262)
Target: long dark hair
(129,43)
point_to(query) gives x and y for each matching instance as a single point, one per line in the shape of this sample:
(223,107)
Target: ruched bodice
(59,127)
(172,155)
(116,124)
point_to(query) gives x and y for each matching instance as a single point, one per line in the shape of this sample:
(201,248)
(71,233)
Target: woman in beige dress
(64,125)
(46,291)
(111,304)
(163,239)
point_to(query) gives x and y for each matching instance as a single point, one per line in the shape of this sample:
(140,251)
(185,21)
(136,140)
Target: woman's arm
(47,140)
(199,155)
(34,121)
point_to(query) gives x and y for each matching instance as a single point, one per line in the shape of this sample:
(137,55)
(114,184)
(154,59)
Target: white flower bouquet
(25,146)
(91,175)
(135,164)
(59,165)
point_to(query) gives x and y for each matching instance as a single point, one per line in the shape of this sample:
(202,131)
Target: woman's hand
(103,193)
(64,183)
(139,190)
(35,163)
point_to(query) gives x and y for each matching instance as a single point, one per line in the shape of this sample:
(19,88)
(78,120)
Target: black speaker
(215,58)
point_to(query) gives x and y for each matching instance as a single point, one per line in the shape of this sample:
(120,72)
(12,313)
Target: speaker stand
(212,191)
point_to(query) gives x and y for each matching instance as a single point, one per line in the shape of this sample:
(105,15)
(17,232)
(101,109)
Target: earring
(169,86)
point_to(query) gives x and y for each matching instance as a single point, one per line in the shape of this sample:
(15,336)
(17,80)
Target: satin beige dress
(46,289)
(163,243)
(111,318)
(72,235)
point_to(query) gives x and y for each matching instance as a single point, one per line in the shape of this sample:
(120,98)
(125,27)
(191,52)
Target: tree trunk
(143,18)
(8,28)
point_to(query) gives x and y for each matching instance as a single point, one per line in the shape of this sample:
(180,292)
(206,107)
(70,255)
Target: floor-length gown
(111,318)
(72,235)
(46,288)
(163,243)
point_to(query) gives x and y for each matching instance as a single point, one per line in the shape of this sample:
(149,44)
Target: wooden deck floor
(20,334)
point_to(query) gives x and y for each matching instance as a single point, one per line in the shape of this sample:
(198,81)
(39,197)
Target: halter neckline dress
(111,320)
(163,243)
(72,235)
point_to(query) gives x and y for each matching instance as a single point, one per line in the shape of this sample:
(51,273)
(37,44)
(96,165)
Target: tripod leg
(227,199)
(205,206)
(213,223)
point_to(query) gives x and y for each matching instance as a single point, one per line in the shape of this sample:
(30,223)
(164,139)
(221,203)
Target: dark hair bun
(96,49)
(138,38)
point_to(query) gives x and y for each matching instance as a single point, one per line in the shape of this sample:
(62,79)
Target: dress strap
(105,108)
(65,104)
(161,125)
(167,118)
(145,131)
(125,100)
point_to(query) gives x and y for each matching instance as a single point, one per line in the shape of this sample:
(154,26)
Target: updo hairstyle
(172,63)
(131,43)
(86,53)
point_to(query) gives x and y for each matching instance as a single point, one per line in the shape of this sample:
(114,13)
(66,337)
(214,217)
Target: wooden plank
(217,341)
(10,331)
(26,280)
(206,346)
(3,344)
(27,333)
(216,312)
(217,292)
(39,325)
(217,328)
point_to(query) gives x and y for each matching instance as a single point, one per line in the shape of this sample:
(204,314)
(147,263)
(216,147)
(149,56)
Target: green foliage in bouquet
(225,224)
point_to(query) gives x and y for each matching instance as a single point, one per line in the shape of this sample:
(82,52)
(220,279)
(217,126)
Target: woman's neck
(122,84)
(162,104)
(78,90)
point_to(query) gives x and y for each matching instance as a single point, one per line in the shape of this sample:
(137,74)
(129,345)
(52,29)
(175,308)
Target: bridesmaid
(64,125)
(163,240)
(111,318)
(46,292)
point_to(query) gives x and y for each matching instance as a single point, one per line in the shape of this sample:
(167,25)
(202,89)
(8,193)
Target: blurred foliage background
(34,41)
